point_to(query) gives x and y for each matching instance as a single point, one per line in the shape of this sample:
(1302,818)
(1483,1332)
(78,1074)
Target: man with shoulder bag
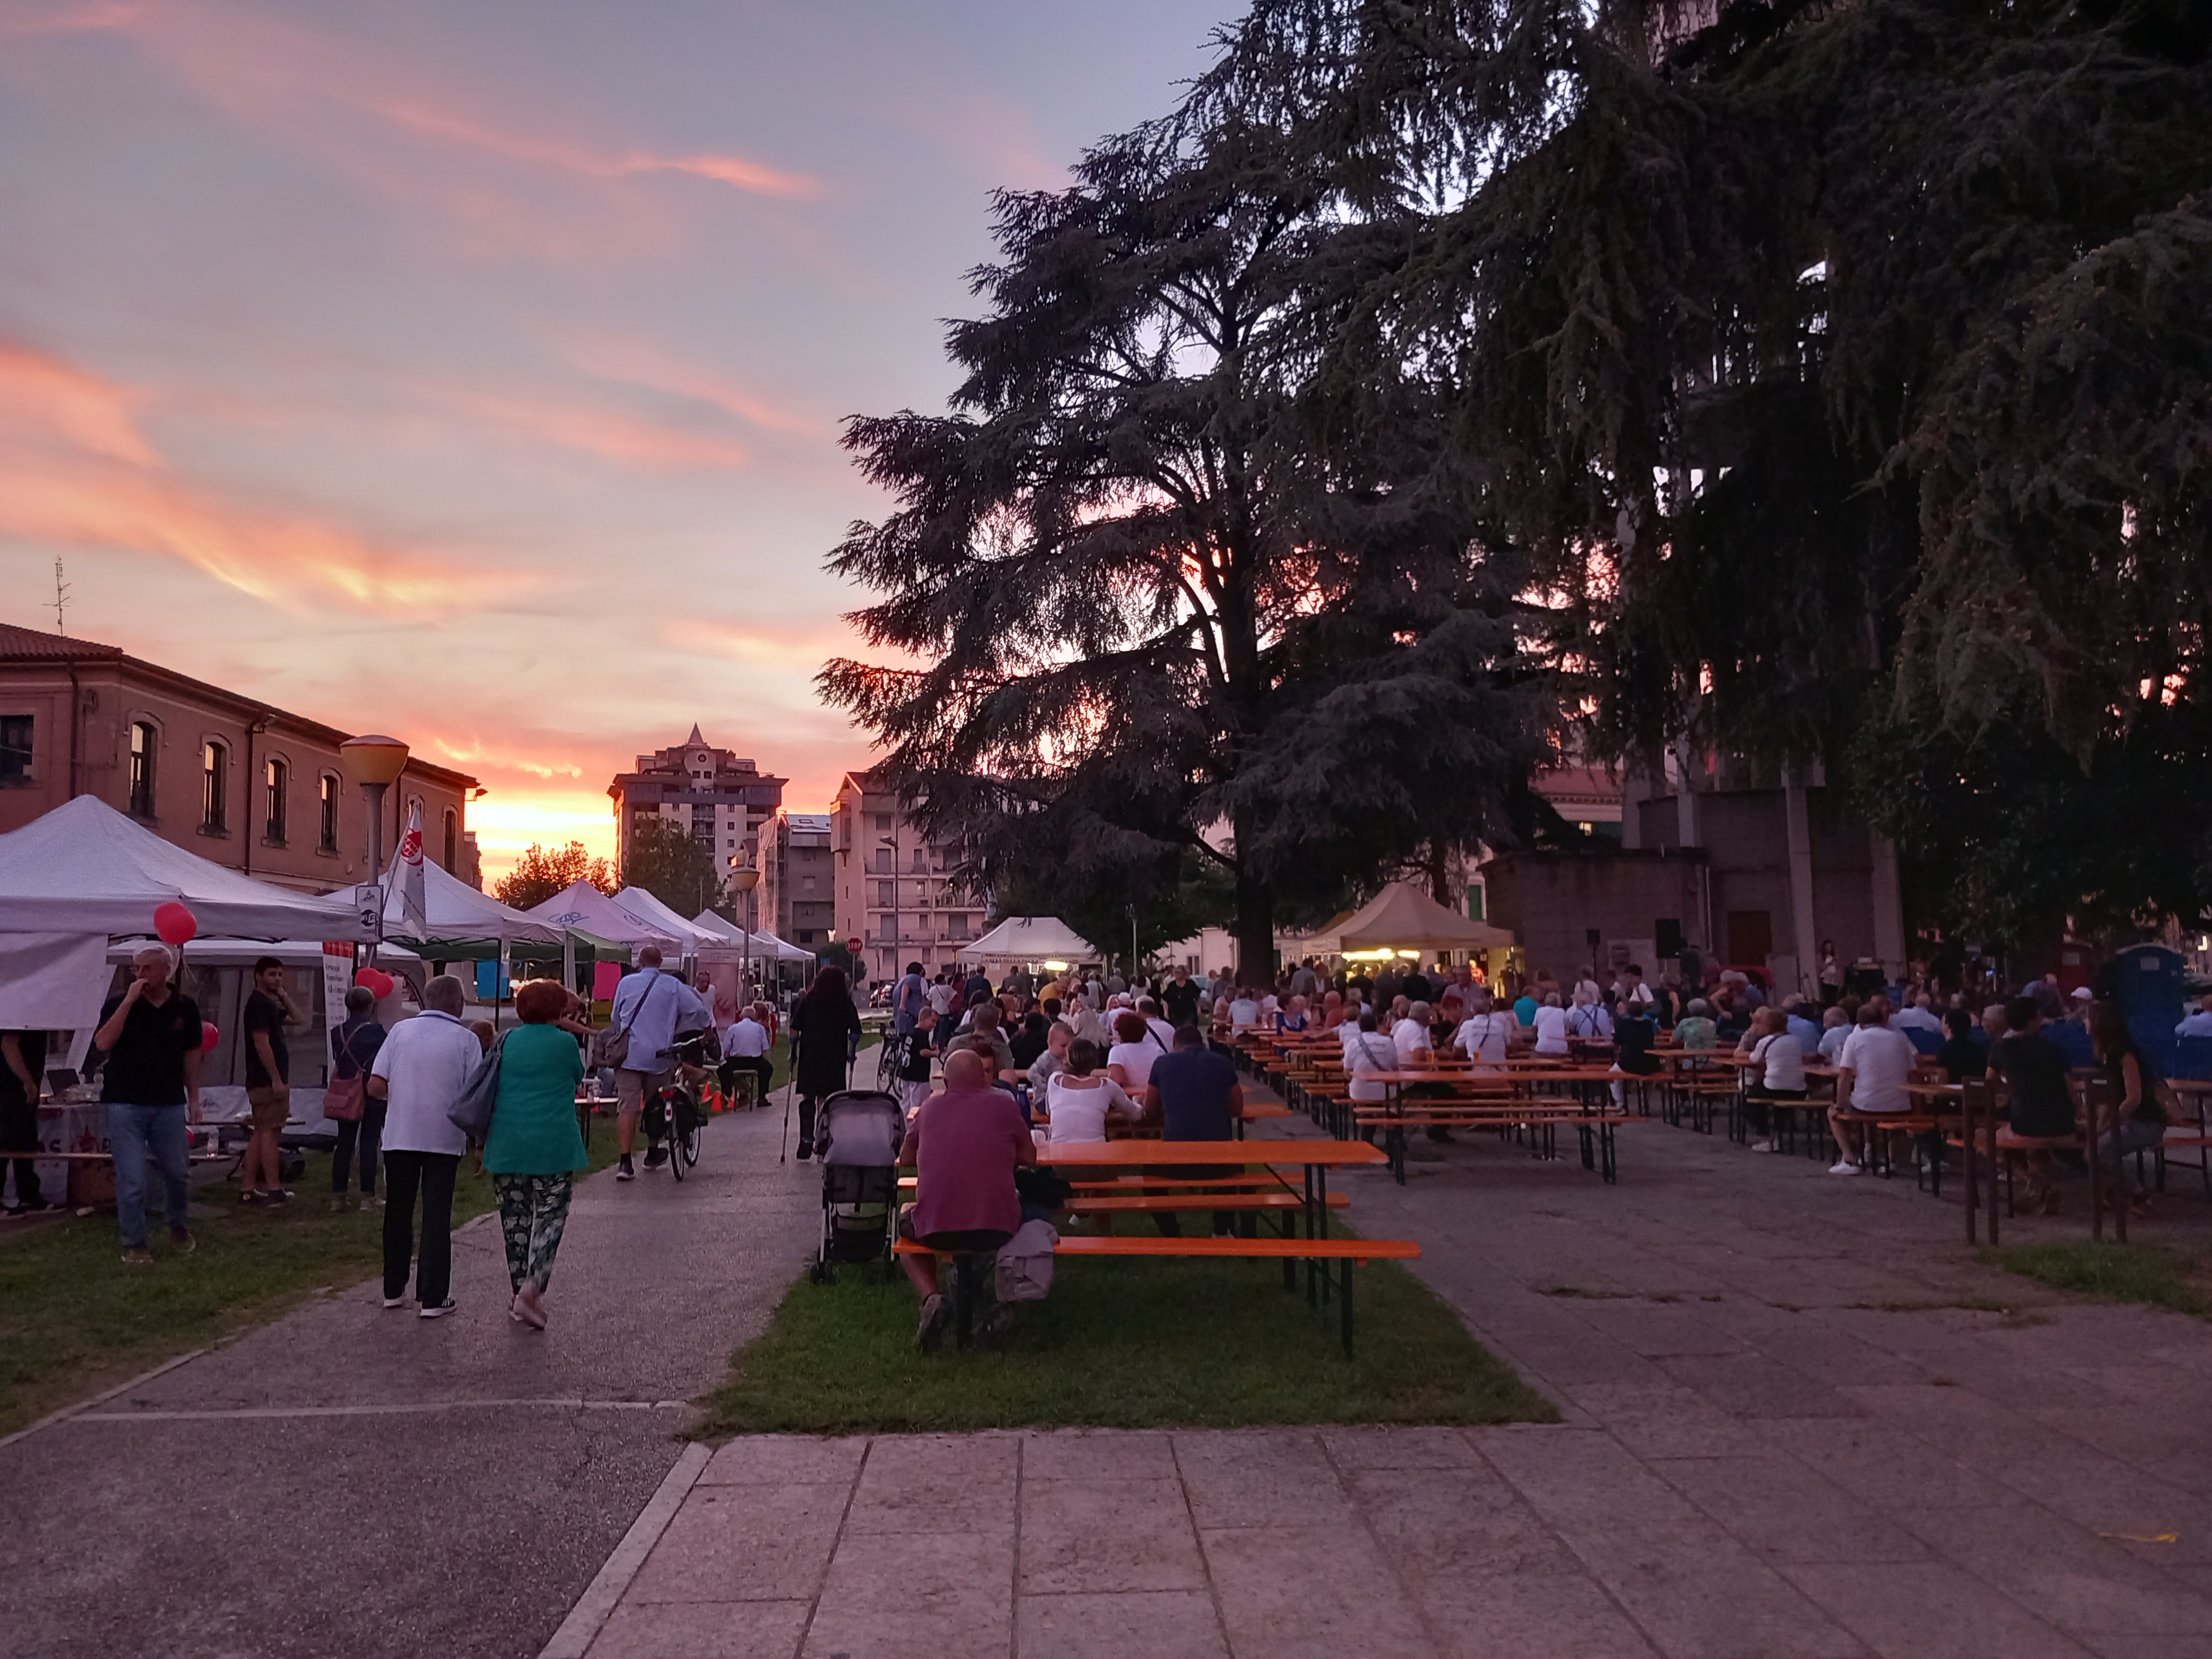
(649,1008)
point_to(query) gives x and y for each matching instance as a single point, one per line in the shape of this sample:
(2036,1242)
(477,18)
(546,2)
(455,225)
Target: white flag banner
(414,908)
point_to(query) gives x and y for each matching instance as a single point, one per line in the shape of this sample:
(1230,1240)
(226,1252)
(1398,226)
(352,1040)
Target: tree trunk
(1255,929)
(1440,872)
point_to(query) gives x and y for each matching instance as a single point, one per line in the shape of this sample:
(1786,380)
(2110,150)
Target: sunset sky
(470,370)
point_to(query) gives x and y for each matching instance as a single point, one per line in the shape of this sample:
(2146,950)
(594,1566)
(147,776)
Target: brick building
(239,782)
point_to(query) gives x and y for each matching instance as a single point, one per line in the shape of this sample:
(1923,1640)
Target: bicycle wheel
(683,1136)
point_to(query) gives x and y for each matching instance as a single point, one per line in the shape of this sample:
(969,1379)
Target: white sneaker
(1762,1147)
(438,1312)
(395,1301)
(1843,1166)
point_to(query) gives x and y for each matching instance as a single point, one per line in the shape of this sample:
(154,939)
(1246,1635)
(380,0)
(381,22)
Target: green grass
(75,1319)
(2154,1273)
(1127,1344)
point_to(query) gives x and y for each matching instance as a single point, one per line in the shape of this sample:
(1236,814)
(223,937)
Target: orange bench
(1344,1250)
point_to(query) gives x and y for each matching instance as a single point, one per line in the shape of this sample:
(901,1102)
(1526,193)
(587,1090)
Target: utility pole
(61,598)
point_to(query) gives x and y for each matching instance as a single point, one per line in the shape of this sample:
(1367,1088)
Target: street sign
(368,902)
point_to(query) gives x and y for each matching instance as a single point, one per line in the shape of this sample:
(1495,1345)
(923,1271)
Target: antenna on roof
(61,599)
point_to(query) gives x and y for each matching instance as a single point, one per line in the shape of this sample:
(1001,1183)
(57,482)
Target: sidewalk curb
(102,1398)
(596,1604)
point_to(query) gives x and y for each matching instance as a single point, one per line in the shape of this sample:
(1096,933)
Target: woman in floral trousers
(534,1148)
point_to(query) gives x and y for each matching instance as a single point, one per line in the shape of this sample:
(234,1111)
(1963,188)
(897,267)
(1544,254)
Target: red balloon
(174,923)
(378,983)
(208,1036)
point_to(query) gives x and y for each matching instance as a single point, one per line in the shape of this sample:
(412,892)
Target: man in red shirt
(965,1144)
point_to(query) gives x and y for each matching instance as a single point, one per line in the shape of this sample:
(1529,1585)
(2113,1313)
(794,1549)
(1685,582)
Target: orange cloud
(597,431)
(80,473)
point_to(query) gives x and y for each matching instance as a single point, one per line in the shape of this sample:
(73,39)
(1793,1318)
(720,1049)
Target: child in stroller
(857,1135)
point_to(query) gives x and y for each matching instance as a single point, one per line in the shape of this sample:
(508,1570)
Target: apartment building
(893,904)
(722,798)
(799,878)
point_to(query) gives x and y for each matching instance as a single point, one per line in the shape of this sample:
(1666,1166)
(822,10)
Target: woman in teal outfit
(534,1148)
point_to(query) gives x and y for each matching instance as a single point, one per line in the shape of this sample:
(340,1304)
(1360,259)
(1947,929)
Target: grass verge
(1123,1344)
(2157,1275)
(75,1319)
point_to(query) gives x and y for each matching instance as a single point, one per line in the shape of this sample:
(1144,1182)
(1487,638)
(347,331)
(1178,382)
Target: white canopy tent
(764,945)
(582,908)
(461,921)
(85,868)
(653,913)
(1031,939)
(83,874)
(1403,918)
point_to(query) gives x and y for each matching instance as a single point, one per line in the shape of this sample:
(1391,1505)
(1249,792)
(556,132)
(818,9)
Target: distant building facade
(233,780)
(722,799)
(893,903)
(798,880)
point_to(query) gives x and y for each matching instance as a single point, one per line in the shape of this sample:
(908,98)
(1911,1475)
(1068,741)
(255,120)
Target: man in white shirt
(2198,1024)
(1348,1028)
(940,996)
(744,1048)
(1158,1027)
(419,1073)
(1410,1036)
(653,1006)
(1919,1016)
(1876,1065)
(1835,1032)
(1588,1020)
(1484,1034)
(1367,1053)
(1243,1011)
(1551,1027)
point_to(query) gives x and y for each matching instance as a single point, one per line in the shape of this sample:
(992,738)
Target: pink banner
(606,976)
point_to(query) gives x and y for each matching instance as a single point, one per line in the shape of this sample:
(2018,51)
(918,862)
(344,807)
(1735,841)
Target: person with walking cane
(824,1026)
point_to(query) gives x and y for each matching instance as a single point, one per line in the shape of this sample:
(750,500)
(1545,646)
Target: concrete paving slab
(1107,1535)
(1931,1610)
(1312,1592)
(1096,1455)
(893,1596)
(1531,1615)
(744,1543)
(1157,1624)
(759,1459)
(703,1630)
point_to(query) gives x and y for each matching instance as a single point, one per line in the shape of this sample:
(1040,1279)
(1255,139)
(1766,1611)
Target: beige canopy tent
(1404,918)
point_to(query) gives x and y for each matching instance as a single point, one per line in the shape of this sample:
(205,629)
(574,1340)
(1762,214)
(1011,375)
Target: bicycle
(674,1113)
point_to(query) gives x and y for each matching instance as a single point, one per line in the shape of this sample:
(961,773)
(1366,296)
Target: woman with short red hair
(533,1148)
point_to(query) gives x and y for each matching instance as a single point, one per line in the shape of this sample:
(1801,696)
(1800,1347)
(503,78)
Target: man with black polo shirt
(151,1036)
(1179,998)
(2032,1070)
(268,1084)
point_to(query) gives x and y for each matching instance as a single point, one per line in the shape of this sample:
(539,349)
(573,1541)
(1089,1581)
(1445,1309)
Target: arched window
(452,839)
(144,741)
(327,832)
(215,787)
(279,782)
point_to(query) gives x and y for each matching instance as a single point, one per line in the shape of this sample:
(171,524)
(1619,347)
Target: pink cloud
(634,363)
(353,107)
(80,473)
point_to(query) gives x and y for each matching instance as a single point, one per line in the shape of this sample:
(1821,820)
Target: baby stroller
(856,1138)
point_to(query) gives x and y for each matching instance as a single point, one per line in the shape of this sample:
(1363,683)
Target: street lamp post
(375,763)
(891,842)
(744,878)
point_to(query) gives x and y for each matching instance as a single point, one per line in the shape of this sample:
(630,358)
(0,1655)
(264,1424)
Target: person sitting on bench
(1194,1094)
(964,1145)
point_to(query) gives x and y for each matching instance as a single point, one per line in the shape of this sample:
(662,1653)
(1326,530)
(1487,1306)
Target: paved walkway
(1800,1421)
(350,1481)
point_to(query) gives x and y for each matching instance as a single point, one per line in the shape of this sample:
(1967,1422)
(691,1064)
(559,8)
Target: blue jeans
(132,1132)
(2115,1147)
